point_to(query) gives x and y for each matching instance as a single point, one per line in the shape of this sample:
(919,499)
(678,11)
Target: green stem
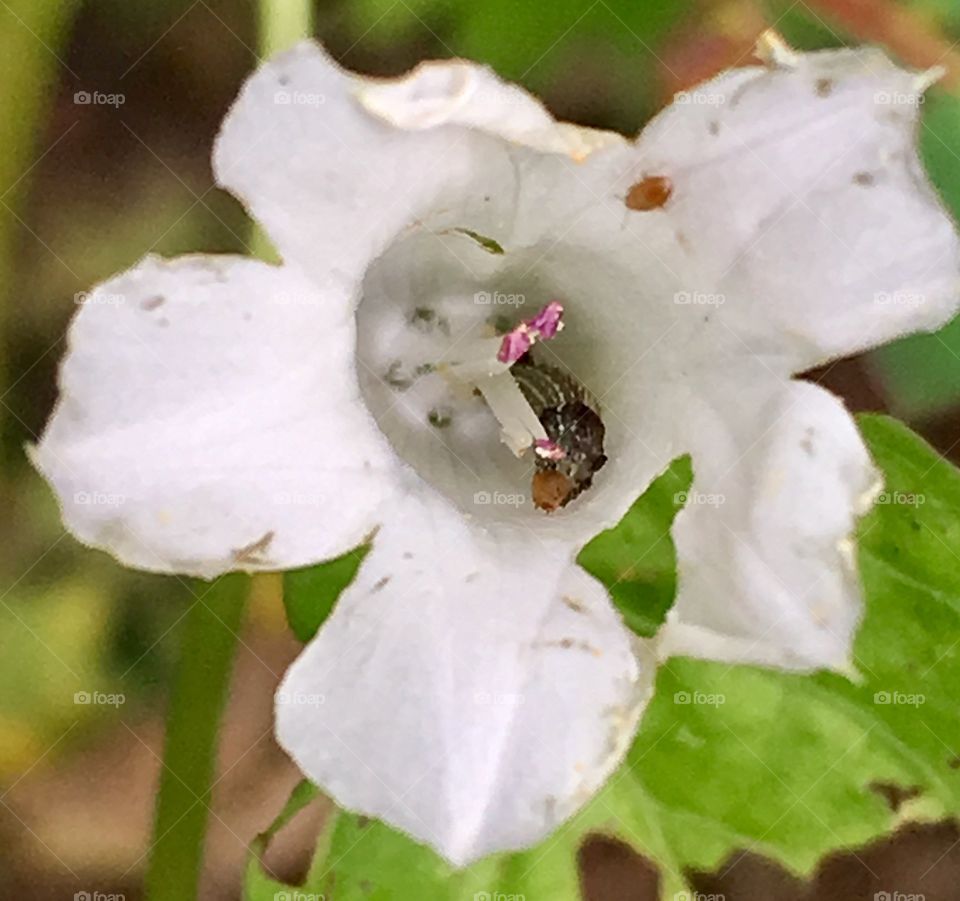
(32,33)
(283,23)
(207,647)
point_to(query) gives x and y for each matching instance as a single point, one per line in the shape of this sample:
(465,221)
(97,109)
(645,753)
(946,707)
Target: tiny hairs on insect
(569,417)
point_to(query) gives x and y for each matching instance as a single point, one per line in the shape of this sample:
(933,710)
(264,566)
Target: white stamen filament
(477,361)
(519,426)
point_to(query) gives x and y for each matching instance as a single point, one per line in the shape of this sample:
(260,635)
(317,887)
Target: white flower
(477,686)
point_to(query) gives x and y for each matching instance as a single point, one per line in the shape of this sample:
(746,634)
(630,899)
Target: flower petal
(473,690)
(459,92)
(799,191)
(347,162)
(210,420)
(767,572)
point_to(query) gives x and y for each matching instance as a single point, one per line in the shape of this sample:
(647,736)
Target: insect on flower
(573,451)
(650,193)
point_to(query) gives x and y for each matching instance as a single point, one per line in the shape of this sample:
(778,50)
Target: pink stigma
(549,450)
(543,326)
(548,321)
(514,345)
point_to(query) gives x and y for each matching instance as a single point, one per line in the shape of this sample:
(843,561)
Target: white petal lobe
(346,163)
(802,193)
(464,93)
(475,690)
(210,420)
(766,567)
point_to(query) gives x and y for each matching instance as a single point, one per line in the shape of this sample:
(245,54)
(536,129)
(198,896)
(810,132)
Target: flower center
(458,364)
(540,408)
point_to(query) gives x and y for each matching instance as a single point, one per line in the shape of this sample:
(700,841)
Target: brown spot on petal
(151,303)
(650,193)
(253,552)
(824,87)
(550,489)
(567,644)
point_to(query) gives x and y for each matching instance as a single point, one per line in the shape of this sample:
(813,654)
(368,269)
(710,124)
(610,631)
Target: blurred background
(108,110)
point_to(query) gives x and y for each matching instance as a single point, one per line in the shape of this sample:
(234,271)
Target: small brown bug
(550,489)
(650,193)
(572,425)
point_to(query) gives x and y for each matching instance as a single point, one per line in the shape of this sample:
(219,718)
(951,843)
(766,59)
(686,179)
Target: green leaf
(636,560)
(517,38)
(921,373)
(258,886)
(728,758)
(488,244)
(309,594)
(599,64)
(304,793)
